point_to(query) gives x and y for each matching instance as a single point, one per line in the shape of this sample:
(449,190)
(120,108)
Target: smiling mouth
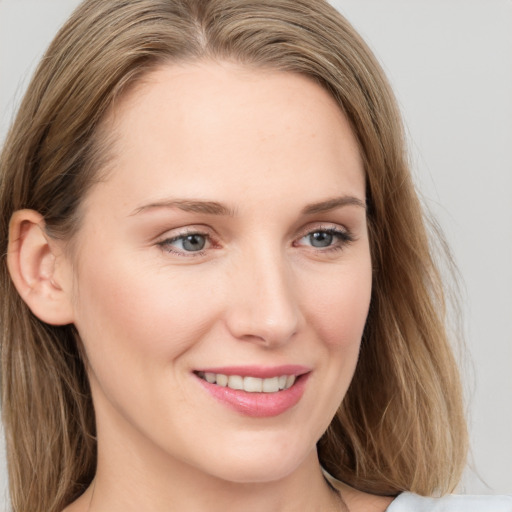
(249,384)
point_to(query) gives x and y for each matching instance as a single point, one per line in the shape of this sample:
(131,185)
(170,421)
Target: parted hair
(401,425)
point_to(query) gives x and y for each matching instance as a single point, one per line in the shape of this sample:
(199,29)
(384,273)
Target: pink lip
(258,405)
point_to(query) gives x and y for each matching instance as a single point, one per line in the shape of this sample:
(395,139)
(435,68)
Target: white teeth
(253,385)
(271,385)
(222,380)
(250,384)
(210,377)
(235,382)
(290,380)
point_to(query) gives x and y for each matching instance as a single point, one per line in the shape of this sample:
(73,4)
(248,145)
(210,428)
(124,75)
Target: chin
(251,473)
(262,463)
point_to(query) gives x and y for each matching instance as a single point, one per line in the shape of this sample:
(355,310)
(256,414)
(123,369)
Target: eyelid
(324,226)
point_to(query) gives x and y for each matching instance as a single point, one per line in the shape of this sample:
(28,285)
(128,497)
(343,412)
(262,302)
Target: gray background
(450,64)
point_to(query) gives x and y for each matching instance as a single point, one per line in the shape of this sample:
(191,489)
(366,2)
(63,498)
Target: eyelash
(343,236)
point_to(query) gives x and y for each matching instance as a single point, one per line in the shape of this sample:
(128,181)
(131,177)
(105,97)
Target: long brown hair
(401,425)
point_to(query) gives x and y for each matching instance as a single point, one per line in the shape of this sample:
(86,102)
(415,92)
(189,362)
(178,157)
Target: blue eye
(326,239)
(321,239)
(193,242)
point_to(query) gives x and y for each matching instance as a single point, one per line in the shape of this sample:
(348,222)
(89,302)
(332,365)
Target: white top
(409,502)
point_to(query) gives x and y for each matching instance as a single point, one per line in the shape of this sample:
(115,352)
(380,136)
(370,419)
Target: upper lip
(262,372)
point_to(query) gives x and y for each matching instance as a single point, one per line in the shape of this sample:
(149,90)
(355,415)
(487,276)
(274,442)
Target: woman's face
(226,249)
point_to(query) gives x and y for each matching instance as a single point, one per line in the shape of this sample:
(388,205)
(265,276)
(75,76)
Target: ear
(39,269)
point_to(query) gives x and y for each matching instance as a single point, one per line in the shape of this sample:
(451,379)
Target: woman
(217,289)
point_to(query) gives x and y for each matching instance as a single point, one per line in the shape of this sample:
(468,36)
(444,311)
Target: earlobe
(37,268)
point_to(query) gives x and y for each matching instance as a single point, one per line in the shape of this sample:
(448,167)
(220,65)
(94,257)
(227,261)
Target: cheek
(337,310)
(145,313)
(339,307)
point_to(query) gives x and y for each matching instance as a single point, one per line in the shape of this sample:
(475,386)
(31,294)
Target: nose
(264,306)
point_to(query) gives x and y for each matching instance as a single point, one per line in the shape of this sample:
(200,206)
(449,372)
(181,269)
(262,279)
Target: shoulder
(450,503)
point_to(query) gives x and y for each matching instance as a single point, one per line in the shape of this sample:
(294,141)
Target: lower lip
(258,405)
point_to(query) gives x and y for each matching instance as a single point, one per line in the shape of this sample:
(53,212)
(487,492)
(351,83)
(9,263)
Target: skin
(266,146)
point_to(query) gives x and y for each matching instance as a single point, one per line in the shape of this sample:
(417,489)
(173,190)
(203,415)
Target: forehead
(198,127)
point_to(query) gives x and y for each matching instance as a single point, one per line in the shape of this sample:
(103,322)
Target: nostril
(269,334)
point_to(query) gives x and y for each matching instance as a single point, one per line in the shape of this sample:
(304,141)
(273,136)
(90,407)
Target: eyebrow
(189,205)
(215,208)
(332,204)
